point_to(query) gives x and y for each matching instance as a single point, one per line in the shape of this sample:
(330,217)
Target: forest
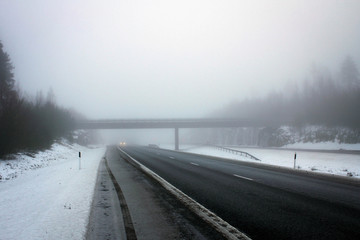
(323,107)
(27,123)
(322,99)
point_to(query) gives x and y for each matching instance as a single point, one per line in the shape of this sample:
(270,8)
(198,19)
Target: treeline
(27,124)
(323,99)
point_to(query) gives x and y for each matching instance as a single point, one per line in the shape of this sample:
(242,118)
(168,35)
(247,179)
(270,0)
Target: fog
(165,59)
(138,136)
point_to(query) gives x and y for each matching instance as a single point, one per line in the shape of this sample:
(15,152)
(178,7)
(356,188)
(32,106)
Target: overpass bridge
(176,124)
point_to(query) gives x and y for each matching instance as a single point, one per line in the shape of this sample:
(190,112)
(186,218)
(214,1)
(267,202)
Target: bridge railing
(237,152)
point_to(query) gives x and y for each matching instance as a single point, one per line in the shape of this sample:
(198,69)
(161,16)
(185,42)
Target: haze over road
(164,55)
(263,202)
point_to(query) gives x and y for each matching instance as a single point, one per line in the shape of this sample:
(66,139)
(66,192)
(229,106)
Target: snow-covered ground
(324,146)
(316,161)
(46,196)
(332,163)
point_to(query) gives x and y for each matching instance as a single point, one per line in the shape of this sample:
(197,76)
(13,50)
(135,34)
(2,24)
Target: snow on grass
(48,197)
(332,163)
(342,164)
(324,146)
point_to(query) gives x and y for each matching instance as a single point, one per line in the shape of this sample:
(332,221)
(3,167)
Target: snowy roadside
(48,197)
(324,146)
(331,163)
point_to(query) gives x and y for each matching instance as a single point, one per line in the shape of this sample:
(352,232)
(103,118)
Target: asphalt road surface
(263,202)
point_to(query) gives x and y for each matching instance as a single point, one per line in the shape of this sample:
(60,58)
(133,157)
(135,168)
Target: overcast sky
(129,59)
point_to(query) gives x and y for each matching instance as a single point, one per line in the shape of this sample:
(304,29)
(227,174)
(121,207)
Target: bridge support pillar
(176,139)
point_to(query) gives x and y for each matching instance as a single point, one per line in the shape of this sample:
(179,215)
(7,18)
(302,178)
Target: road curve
(264,203)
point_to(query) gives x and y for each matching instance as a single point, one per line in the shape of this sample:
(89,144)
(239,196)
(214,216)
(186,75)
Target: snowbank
(324,146)
(48,197)
(331,163)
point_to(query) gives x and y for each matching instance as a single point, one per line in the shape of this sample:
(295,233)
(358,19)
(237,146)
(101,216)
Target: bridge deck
(166,123)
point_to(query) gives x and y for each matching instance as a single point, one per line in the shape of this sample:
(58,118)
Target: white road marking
(172,157)
(238,176)
(194,164)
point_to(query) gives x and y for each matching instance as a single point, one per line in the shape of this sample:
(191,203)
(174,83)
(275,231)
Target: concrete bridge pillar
(176,139)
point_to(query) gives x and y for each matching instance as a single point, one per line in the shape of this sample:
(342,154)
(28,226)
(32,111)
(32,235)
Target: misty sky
(129,59)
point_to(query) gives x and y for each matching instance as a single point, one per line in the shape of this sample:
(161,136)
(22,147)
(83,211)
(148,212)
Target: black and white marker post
(294,160)
(79,160)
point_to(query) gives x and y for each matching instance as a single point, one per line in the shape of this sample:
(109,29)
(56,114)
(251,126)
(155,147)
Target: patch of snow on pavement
(50,198)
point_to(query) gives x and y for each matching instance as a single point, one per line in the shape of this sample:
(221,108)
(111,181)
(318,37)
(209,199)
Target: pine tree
(350,75)
(7,90)
(8,104)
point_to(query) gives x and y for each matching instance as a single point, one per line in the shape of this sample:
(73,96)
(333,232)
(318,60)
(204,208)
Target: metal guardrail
(237,152)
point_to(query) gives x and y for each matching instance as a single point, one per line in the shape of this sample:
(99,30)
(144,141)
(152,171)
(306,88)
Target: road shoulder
(105,219)
(155,213)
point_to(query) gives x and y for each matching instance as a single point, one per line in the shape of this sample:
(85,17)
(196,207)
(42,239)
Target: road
(129,205)
(263,202)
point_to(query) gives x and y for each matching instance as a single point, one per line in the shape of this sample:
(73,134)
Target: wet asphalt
(263,202)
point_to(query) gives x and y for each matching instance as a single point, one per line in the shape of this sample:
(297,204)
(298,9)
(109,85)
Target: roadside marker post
(294,160)
(79,160)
